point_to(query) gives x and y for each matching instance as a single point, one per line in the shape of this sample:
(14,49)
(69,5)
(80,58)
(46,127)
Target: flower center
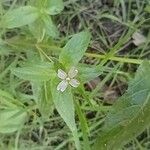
(67,79)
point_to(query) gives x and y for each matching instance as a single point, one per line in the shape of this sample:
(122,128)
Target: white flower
(67,79)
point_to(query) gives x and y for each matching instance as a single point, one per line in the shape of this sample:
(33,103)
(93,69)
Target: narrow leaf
(87,73)
(147,8)
(43,98)
(74,49)
(84,127)
(7,100)
(50,27)
(43,26)
(19,17)
(36,72)
(54,7)
(11,120)
(64,104)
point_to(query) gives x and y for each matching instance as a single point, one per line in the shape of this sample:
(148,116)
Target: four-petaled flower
(67,78)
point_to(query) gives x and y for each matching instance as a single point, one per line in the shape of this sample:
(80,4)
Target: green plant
(42,77)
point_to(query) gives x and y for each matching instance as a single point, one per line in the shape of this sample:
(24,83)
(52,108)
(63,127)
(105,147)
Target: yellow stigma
(68,79)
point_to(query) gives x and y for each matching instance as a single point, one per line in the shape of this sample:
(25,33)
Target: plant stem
(114,58)
(120,59)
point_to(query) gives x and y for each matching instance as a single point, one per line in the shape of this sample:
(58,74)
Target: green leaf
(147,8)
(87,73)
(64,104)
(84,127)
(37,29)
(44,26)
(12,114)
(129,116)
(8,101)
(4,50)
(50,27)
(43,98)
(11,120)
(19,17)
(36,72)
(1,42)
(54,7)
(74,49)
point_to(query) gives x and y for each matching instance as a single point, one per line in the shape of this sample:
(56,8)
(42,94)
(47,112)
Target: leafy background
(110,108)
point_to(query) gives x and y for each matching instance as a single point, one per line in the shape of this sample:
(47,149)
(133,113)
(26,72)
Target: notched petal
(61,74)
(72,72)
(62,86)
(74,82)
